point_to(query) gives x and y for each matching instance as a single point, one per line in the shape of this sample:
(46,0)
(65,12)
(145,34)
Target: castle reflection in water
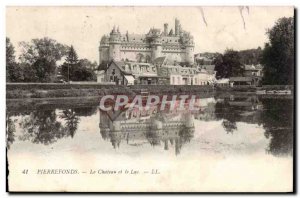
(172,128)
(135,126)
(169,129)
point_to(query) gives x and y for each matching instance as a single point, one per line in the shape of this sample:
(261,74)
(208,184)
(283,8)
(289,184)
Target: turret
(156,46)
(189,50)
(104,49)
(115,45)
(154,37)
(166,29)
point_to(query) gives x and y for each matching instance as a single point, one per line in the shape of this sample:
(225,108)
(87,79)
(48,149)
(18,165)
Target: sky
(215,29)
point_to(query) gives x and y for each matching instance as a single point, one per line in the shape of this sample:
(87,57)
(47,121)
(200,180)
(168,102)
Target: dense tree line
(228,64)
(39,59)
(278,54)
(277,57)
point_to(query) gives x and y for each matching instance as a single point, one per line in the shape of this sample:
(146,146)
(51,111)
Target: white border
(5,3)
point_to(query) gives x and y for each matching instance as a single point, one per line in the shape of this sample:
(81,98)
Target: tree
(42,55)
(77,70)
(72,57)
(44,70)
(10,52)
(251,56)
(278,54)
(13,72)
(228,65)
(71,61)
(88,64)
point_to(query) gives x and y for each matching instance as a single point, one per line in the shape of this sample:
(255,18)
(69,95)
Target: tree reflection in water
(72,121)
(10,131)
(42,127)
(224,111)
(274,114)
(277,120)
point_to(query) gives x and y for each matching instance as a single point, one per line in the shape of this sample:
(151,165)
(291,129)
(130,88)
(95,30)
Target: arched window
(139,57)
(147,59)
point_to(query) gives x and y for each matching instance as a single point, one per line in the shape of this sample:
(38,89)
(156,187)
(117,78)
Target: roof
(120,65)
(209,68)
(253,67)
(240,79)
(223,80)
(129,78)
(178,70)
(159,61)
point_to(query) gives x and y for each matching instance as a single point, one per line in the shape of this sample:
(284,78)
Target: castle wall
(132,54)
(178,46)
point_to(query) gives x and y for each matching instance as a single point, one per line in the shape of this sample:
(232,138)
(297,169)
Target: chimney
(166,29)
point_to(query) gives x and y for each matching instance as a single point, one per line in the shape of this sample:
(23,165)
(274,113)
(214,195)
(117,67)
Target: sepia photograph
(152,99)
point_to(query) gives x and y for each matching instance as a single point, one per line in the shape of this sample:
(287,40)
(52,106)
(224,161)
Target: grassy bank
(56,90)
(52,90)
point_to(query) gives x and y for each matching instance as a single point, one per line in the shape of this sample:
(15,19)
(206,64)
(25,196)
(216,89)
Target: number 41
(25,171)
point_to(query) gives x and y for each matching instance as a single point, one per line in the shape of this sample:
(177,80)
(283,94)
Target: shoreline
(25,91)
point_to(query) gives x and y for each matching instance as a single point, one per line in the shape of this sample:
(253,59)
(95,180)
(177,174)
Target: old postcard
(150,99)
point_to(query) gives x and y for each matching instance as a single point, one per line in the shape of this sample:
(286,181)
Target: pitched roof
(159,61)
(120,65)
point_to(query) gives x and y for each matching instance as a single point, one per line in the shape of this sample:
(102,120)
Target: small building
(233,81)
(100,76)
(253,70)
(252,76)
(223,82)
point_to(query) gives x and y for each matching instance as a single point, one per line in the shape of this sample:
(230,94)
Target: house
(252,76)
(253,70)
(177,75)
(240,81)
(129,73)
(161,71)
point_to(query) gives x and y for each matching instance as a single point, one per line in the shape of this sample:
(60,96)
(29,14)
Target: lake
(232,143)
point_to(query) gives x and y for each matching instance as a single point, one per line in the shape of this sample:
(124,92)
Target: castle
(177,45)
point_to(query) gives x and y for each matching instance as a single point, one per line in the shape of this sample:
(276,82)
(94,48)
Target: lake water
(234,143)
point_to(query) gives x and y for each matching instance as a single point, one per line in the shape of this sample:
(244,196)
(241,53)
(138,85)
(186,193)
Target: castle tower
(115,45)
(156,46)
(189,51)
(104,49)
(166,29)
